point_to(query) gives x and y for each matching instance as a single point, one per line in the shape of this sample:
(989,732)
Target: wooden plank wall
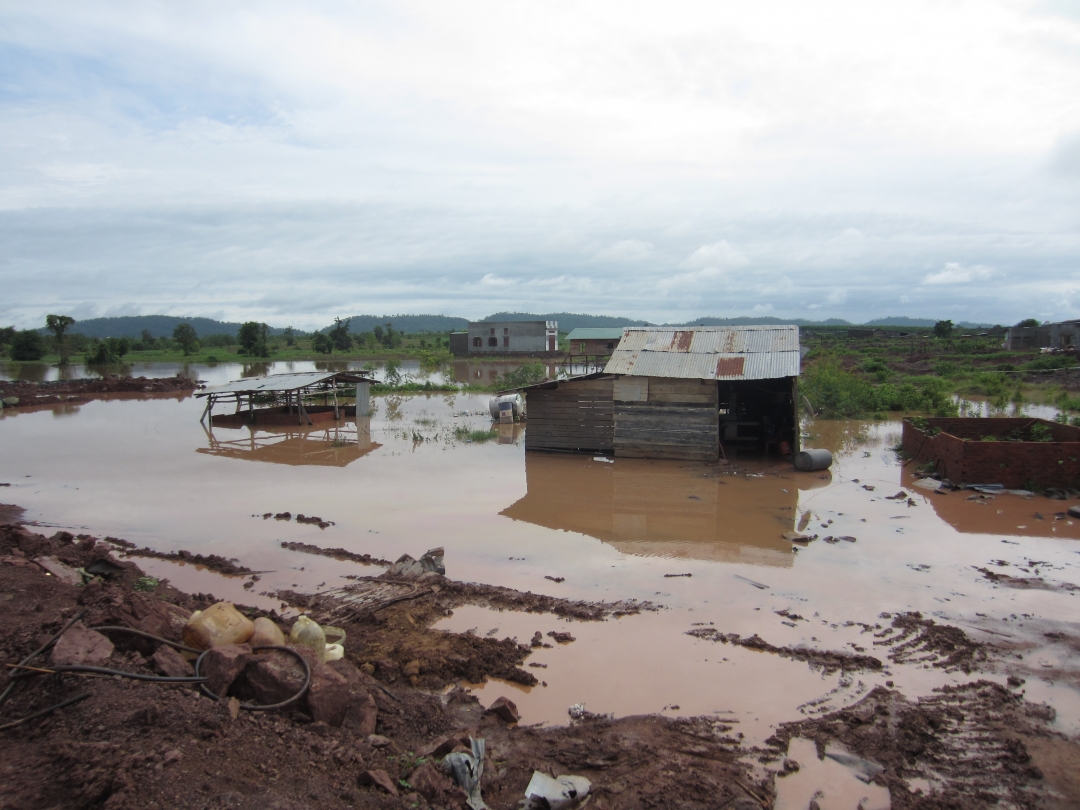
(575,416)
(677,419)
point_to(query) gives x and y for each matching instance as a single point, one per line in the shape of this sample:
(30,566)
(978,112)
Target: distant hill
(131,326)
(405,323)
(569,321)
(893,320)
(763,321)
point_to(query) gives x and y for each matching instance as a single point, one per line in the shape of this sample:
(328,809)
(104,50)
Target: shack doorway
(758,414)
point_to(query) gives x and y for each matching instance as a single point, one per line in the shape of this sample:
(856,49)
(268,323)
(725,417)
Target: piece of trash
(671,576)
(219,624)
(927,483)
(868,488)
(605,459)
(899,496)
(751,582)
(847,538)
(467,770)
(430,562)
(309,634)
(104,569)
(797,537)
(546,793)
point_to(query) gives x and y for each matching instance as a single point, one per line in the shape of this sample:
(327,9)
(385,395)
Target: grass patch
(474,435)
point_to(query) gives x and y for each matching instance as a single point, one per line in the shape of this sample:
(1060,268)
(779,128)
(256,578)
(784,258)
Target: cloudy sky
(290,162)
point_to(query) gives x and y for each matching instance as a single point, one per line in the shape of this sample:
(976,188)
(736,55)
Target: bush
(835,392)
(1049,362)
(525,374)
(27,346)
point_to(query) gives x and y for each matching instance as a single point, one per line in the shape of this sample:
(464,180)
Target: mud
(335,553)
(138,745)
(212,562)
(10,513)
(1027,583)
(827,661)
(972,743)
(34,394)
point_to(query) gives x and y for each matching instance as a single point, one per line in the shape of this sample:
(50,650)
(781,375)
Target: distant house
(594,342)
(676,393)
(459,343)
(866,334)
(1064,335)
(513,337)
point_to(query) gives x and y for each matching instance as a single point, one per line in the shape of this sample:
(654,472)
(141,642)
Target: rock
(1074,511)
(537,639)
(174,755)
(368,711)
(562,638)
(274,676)
(412,669)
(60,570)
(378,741)
(80,645)
(222,665)
(504,709)
(169,662)
(328,697)
(377,778)
(10,402)
(267,634)
(434,785)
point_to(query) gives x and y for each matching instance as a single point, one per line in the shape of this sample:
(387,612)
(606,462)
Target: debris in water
(671,576)
(751,582)
(555,579)
(545,793)
(562,638)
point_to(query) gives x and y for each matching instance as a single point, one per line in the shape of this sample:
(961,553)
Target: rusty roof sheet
(708,352)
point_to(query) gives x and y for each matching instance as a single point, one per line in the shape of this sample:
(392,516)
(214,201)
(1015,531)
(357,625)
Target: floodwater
(705,541)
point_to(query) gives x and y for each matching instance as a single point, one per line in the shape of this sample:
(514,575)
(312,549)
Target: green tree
(109,351)
(378,332)
(146,339)
(27,346)
(943,329)
(184,334)
(290,336)
(7,334)
(58,325)
(339,335)
(254,337)
(1029,322)
(322,344)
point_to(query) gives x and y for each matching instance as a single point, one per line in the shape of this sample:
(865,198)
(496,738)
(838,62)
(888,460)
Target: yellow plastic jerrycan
(219,624)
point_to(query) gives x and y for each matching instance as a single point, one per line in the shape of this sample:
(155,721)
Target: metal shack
(676,393)
(596,342)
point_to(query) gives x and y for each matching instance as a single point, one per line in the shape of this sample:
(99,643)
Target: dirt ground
(37,394)
(138,744)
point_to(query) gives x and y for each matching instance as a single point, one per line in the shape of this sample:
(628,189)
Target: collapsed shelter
(285,399)
(680,393)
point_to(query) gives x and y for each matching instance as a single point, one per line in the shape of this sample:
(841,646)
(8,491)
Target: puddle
(832,785)
(411,478)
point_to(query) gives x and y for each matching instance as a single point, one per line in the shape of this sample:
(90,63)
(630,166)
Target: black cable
(254,707)
(174,644)
(49,710)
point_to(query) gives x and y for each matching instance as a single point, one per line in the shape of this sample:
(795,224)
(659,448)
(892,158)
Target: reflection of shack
(650,509)
(676,393)
(1018,453)
(296,445)
(288,399)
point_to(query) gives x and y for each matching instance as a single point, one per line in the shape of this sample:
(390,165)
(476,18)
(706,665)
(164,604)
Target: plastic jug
(217,625)
(267,634)
(308,633)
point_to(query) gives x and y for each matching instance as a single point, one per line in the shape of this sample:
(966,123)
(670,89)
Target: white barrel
(812,460)
(515,401)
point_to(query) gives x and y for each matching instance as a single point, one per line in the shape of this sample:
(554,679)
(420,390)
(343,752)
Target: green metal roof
(596,334)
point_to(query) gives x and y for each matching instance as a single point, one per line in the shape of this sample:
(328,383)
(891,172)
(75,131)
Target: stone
(222,665)
(328,697)
(368,712)
(378,741)
(267,634)
(504,709)
(433,785)
(411,670)
(276,676)
(537,640)
(377,778)
(174,755)
(169,662)
(10,402)
(80,645)
(441,749)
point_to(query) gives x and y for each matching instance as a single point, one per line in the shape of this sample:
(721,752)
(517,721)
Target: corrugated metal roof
(281,382)
(708,352)
(595,334)
(554,383)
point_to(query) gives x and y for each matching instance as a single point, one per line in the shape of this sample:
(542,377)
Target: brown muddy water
(403,482)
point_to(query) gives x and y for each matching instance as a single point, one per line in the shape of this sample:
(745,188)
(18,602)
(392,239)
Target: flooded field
(704,541)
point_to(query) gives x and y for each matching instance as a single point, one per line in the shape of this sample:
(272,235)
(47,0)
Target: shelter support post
(206,410)
(363,399)
(337,410)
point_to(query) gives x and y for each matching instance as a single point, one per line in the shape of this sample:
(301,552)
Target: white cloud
(492,280)
(720,255)
(625,250)
(837,296)
(955,273)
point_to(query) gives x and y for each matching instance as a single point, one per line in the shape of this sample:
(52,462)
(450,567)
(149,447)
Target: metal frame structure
(286,391)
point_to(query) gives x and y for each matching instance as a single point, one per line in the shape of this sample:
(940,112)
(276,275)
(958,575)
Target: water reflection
(336,445)
(664,508)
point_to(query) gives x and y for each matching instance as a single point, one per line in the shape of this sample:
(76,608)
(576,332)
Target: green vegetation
(146,584)
(27,346)
(476,436)
(525,374)
(836,392)
(58,325)
(185,336)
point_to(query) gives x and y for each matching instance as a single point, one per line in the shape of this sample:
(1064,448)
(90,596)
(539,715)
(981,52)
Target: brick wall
(1016,465)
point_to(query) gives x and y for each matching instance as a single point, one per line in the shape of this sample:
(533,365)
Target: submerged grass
(475,435)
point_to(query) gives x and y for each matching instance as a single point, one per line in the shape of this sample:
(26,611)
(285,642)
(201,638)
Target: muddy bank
(335,553)
(212,562)
(31,394)
(137,745)
(971,746)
